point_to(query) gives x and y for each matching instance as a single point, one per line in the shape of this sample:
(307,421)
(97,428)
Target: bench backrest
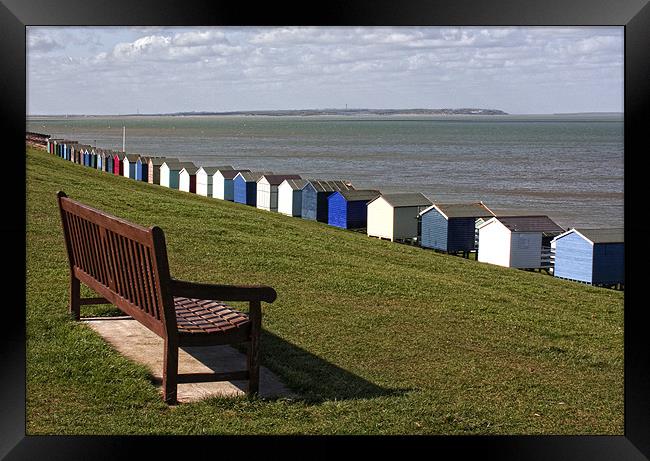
(123,262)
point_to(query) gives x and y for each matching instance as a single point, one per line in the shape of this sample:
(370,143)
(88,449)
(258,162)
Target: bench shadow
(291,371)
(306,376)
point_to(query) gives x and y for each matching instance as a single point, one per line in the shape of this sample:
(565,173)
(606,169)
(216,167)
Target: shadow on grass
(307,376)
(301,374)
(315,379)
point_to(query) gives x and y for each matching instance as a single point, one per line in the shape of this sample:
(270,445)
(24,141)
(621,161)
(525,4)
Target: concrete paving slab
(140,344)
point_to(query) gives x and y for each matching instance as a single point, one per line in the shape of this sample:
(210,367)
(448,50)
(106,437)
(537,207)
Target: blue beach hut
(130,162)
(451,227)
(86,157)
(593,256)
(109,162)
(348,209)
(245,187)
(142,169)
(223,184)
(314,197)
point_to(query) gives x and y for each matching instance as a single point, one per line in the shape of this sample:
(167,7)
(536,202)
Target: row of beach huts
(531,242)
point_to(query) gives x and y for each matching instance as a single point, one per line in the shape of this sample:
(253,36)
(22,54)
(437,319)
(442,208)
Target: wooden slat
(112,223)
(209,377)
(139,263)
(113,261)
(92,253)
(97,241)
(153,309)
(126,270)
(136,275)
(71,238)
(86,301)
(75,240)
(121,303)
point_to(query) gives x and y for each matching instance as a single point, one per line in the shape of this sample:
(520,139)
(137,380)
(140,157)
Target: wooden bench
(127,266)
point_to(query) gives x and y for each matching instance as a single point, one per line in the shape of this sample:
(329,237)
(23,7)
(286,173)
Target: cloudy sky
(119,70)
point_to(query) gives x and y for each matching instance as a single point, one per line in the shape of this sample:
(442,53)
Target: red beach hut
(117,165)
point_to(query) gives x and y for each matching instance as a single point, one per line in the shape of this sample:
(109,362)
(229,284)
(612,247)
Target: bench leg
(254,349)
(75,298)
(253,367)
(170,372)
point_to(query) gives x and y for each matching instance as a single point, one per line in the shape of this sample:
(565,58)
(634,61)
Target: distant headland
(308,112)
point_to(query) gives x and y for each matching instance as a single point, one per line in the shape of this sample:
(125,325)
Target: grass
(376,337)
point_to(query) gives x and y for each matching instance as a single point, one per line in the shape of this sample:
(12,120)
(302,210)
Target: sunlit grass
(377,337)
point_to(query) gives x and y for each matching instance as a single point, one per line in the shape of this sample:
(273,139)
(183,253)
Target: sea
(568,167)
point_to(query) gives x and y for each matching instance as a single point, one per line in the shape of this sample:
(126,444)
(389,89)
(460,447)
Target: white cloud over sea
(113,70)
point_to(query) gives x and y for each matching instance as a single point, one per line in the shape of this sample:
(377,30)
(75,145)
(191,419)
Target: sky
(127,70)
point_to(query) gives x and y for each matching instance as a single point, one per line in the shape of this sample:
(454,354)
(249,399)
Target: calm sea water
(568,167)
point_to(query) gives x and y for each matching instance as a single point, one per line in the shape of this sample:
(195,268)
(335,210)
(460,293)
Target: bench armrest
(222,292)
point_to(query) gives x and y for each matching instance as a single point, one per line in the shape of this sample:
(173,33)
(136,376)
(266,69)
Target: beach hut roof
(210,170)
(276,179)
(253,176)
(538,223)
(161,160)
(191,169)
(131,157)
(601,235)
(330,186)
(230,174)
(461,210)
(296,184)
(356,195)
(405,199)
(176,165)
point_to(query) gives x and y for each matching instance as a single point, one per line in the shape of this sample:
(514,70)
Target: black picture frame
(634,15)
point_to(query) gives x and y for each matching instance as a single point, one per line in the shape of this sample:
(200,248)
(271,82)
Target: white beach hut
(205,179)
(395,216)
(267,190)
(522,242)
(290,196)
(187,179)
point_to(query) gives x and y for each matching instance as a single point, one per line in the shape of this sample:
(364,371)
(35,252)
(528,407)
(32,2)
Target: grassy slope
(378,337)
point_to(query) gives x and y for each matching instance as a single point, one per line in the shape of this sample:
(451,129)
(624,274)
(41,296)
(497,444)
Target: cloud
(42,44)
(378,62)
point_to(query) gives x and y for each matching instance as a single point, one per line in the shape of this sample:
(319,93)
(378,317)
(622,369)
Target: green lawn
(377,337)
